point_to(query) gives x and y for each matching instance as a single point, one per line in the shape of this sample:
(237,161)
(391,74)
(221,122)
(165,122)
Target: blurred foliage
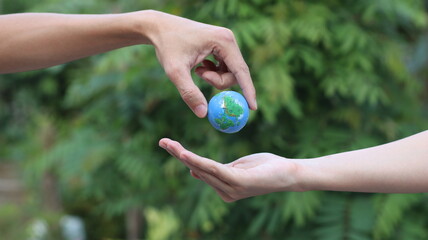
(331,76)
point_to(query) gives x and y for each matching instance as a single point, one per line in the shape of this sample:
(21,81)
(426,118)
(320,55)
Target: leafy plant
(331,76)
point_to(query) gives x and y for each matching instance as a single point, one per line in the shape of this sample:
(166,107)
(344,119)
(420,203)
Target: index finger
(237,66)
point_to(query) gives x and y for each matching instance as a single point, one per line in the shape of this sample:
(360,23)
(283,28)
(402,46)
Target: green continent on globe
(231,108)
(224,122)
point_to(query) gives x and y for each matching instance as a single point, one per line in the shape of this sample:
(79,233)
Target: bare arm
(37,40)
(397,167)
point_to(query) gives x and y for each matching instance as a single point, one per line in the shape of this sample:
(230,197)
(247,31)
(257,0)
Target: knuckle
(173,72)
(225,34)
(181,155)
(188,94)
(221,85)
(244,69)
(227,80)
(241,70)
(213,170)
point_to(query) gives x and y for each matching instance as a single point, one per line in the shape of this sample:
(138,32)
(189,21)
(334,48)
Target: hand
(30,41)
(181,44)
(248,176)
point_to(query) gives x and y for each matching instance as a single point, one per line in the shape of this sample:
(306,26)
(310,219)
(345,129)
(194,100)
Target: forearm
(397,167)
(36,40)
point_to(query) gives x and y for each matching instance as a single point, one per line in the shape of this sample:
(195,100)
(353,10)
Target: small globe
(228,111)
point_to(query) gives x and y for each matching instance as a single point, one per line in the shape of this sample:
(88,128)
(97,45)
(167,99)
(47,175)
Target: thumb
(189,92)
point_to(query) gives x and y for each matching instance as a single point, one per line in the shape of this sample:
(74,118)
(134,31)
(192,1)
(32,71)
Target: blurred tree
(331,76)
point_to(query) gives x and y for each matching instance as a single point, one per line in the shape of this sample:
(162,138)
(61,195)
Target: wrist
(306,176)
(292,175)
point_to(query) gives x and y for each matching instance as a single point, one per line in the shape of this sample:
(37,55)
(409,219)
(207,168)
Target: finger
(171,153)
(201,70)
(163,143)
(173,146)
(217,79)
(242,74)
(208,166)
(220,192)
(214,181)
(194,175)
(227,79)
(166,144)
(224,196)
(232,56)
(190,93)
(209,65)
(222,67)
(197,163)
(176,149)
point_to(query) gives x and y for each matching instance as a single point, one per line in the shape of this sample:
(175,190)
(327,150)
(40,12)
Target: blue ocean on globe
(228,111)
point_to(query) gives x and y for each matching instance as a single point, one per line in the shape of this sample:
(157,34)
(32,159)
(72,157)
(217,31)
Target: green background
(331,76)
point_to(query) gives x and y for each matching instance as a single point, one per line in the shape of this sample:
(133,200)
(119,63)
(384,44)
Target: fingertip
(196,101)
(163,142)
(251,99)
(174,145)
(201,110)
(189,92)
(254,105)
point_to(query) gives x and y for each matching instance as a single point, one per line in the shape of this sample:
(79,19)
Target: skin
(396,167)
(30,41)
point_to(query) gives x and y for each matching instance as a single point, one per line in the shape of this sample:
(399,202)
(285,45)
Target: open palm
(248,176)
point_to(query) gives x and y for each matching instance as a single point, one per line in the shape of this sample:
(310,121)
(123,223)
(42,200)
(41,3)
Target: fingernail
(255,104)
(201,110)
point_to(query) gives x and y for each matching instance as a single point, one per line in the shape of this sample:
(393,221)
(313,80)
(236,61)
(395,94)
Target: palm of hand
(251,175)
(261,173)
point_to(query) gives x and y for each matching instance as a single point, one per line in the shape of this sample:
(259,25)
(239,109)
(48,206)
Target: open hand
(248,176)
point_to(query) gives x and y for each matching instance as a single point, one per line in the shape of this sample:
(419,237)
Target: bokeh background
(81,139)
